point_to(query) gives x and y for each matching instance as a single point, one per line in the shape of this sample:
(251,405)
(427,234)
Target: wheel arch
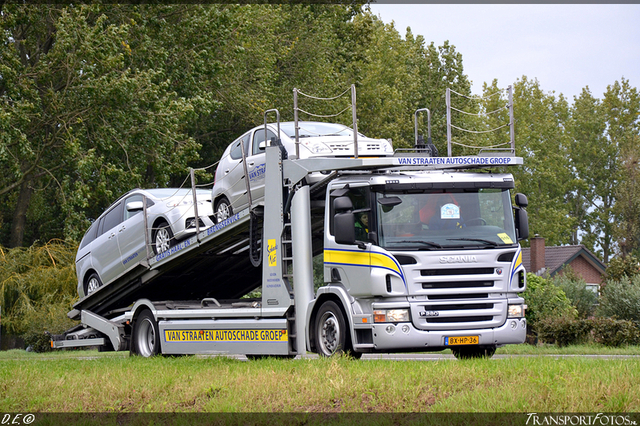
(85,279)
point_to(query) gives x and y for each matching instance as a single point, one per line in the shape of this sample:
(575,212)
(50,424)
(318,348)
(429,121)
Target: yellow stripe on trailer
(226,335)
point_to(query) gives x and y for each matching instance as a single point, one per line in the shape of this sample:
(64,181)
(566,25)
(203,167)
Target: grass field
(87,381)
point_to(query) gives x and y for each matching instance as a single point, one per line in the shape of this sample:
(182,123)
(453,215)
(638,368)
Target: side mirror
(521,200)
(341,204)
(522,224)
(344,227)
(134,206)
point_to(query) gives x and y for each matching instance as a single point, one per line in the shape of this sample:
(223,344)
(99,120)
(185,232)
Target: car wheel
(162,238)
(146,339)
(331,330)
(223,210)
(93,283)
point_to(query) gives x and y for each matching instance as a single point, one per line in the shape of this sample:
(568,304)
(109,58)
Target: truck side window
(361,209)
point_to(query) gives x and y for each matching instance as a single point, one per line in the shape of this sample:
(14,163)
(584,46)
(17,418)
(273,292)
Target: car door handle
(251,163)
(226,172)
(122,229)
(113,234)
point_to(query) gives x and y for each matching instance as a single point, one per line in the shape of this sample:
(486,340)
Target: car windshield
(313,129)
(444,220)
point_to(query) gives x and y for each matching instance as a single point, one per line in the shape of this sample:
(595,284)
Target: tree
(545,176)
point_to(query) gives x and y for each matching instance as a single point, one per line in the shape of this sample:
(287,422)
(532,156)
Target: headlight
(391,315)
(516,311)
(387,147)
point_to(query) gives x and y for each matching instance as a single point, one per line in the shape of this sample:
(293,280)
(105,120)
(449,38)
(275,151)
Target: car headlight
(516,311)
(391,315)
(387,147)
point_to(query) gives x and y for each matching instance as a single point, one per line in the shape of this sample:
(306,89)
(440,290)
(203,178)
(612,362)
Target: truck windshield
(442,220)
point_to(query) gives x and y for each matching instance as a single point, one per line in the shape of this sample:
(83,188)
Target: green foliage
(582,298)
(621,299)
(37,288)
(545,301)
(564,331)
(621,267)
(613,332)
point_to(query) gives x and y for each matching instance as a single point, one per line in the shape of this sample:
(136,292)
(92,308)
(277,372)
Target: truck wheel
(474,352)
(146,338)
(162,237)
(331,330)
(223,210)
(93,283)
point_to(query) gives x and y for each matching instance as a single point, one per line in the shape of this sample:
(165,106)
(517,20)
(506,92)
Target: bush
(582,298)
(37,289)
(612,332)
(545,301)
(564,331)
(621,299)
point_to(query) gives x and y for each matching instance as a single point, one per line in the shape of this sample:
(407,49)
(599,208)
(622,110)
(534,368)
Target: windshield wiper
(427,243)
(480,240)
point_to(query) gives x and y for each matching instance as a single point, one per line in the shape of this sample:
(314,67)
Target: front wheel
(162,238)
(331,330)
(146,339)
(93,283)
(223,210)
(474,352)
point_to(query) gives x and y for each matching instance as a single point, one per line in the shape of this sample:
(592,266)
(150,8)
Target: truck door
(348,261)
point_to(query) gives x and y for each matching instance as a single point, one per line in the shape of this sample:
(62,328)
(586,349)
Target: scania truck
(420,253)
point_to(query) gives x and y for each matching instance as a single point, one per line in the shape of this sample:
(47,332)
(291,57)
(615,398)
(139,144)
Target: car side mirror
(134,206)
(522,224)
(521,200)
(344,227)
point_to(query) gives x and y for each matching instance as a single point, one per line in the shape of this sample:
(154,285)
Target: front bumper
(404,336)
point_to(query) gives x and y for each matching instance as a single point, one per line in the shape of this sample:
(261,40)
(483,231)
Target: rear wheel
(162,237)
(474,352)
(146,339)
(330,330)
(223,210)
(93,283)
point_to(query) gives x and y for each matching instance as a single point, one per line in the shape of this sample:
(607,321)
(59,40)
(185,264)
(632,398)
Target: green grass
(99,382)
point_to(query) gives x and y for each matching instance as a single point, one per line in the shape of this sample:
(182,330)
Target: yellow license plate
(462,340)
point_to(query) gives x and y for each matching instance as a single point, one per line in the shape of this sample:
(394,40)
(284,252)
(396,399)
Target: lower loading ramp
(218,266)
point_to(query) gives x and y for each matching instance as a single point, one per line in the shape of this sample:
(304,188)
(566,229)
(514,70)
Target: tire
(223,210)
(474,352)
(93,283)
(145,336)
(162,237)
(331,333)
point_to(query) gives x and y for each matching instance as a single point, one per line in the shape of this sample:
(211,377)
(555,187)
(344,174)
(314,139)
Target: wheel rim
(163,240)
(223,211)
(146,338)
(329,333)
(92,285)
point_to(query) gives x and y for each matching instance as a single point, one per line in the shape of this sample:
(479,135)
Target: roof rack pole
(265,124)
(511,120)
(195,201)
(448,100)
(295,121)
(355,119)
(428,124)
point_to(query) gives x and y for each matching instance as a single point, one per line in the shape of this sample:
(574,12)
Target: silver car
(317,139)
(115,242)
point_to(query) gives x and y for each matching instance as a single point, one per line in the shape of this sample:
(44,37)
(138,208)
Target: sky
(566,47)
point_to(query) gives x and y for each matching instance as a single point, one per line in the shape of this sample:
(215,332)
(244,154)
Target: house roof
(556,257)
